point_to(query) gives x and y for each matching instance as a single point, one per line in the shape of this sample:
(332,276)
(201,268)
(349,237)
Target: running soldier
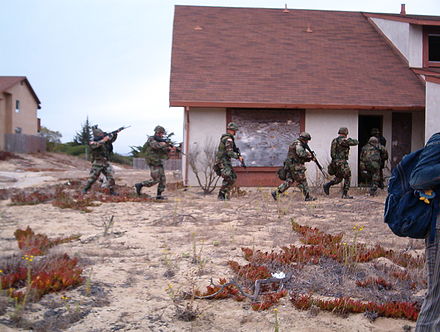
(156,150)
(373,155)
(296,158)
(223,166)
(339,167)
(101,148)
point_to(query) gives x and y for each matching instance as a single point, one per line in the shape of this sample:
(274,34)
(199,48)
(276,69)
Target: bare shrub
(202,161)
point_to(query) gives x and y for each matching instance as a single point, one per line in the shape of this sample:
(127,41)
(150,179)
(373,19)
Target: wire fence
(169,165)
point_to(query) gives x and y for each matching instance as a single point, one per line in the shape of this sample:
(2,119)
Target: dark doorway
(401,136)
(366,123)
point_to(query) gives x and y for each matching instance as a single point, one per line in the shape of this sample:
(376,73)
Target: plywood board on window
(265,135)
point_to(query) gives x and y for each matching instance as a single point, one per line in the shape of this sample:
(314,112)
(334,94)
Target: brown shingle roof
(7,82)
(260,57)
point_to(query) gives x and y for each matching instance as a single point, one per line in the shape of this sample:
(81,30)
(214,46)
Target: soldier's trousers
(297,175)
(429,316)
(374,174)
(96,170)
(343,172)
(229,178)
(157,177)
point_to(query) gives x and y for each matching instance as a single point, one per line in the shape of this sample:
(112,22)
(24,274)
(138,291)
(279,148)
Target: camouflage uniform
(296,158)
(372,156)
(339,167)
(100,152)
(223,166)
(155,152)
(382,141)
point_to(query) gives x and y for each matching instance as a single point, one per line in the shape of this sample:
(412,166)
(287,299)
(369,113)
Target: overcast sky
(109,60)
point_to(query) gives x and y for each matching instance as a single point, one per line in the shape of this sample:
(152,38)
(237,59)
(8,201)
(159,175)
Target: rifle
(237,151)
(167,140)
(110,134)
(306,146)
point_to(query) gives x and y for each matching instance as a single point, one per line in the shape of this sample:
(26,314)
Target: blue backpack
(405,213)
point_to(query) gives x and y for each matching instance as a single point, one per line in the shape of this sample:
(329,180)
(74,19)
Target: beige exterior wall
(406,37)
(206,125)
(26,118)
(2,121)
(323,126)
(432,122)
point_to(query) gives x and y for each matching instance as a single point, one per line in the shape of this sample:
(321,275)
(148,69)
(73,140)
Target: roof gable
(7,82)
(306,58)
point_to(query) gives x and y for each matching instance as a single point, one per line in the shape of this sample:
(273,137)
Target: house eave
(411,20)
(297,106)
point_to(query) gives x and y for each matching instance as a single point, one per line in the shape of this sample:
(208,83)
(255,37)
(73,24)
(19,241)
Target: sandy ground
(150,248)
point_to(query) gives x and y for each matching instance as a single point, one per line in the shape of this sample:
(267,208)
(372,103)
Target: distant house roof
(7,82)
(249,57)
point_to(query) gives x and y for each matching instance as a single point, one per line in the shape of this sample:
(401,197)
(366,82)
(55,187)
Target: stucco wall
(323,126)
(2,122)
(26,118)
(432,123)
(206,125)
(407,38)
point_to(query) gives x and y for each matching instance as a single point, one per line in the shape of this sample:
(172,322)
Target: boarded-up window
(265,135)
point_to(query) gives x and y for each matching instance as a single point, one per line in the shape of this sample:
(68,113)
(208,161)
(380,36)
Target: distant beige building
(19,123)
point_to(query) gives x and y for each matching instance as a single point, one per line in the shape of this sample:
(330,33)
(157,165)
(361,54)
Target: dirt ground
(147,257)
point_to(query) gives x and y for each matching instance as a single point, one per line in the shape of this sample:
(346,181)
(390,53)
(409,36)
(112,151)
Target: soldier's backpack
(405,213)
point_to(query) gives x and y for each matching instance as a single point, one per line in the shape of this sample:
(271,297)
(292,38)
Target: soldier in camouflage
(382,141)
(339,167)
(296,158)
(223,166)
(101,148)
(156,150)
(373,155)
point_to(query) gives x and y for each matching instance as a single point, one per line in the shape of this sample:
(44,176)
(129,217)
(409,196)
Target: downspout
(186,144)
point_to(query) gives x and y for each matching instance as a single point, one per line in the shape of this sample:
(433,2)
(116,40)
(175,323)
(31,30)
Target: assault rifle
(169,142)
(110,134)
(307,147)
(237,151)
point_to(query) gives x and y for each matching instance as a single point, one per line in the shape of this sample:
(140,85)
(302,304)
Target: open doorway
(366,123)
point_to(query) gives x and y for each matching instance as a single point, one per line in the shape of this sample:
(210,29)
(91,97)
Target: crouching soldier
(296,158)
(373,155)
(156,150)
(223,165)
(101,148)
(339,167)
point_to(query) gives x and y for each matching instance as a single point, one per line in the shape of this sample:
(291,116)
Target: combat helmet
(305,136)
(232,126)
(373,140)
(343,131)
(375,131)
(97,132)
(159,129)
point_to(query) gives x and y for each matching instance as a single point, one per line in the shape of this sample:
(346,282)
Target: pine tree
(85,135)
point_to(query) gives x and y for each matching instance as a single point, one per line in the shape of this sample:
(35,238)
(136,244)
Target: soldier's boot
(275,194)
(159,195)
(221,196)
(138,188)
(113,192)
(86,188)
(327,186)
(308,198)
(345,195)
(373,191)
